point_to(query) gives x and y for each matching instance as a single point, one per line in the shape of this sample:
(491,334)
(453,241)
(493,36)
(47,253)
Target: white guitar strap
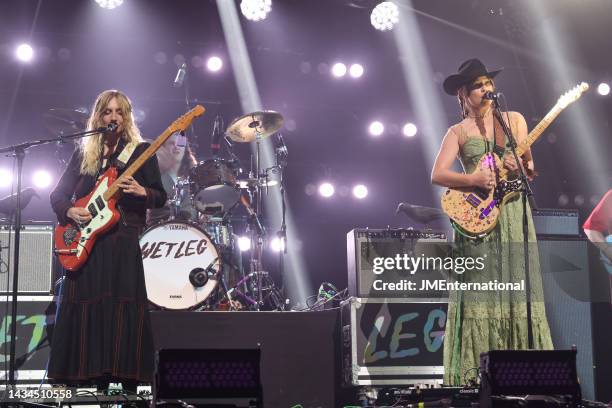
(125,154)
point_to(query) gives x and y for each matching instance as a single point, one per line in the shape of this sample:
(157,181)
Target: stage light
(360,191)
(338,70)
(603,89)
(376,128)
(326,189)
(244,243)
(579,200)
(384,16)
(109,4)
(409,130)
(255,10)
(6,178)
(41,178)
(24,53)
(356,70)
(214,64)
(563,200)
(277,244)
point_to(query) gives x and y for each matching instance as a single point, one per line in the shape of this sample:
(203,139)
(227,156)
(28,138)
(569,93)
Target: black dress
(103,331)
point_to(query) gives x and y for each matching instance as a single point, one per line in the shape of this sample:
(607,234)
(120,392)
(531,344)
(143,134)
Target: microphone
(110,128)
(180,76)
(493,96)
(216,136)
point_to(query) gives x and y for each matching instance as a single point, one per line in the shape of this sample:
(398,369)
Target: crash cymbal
(65,121)
(246,183)
(254,126)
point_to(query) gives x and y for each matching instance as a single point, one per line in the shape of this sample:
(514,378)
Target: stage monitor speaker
(556,222)
(36,261)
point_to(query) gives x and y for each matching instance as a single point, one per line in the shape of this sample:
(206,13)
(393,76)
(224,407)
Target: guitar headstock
(572,95)
(182,123)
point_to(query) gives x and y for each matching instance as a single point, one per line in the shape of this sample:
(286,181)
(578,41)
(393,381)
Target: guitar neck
(137,164)
(537,131)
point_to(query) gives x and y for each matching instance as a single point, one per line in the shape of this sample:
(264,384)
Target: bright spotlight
(255,10)
(603,89)
(6,178)
(376,128)
(360,191)
(339,70)
(24,52)
(244,243)
(356,70)
(384,16)
(41,178)
(109,4)
(214,64)
(326,189)
(409,130)
(277,244)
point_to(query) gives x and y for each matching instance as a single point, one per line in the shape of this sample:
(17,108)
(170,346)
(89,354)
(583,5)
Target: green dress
(482,321)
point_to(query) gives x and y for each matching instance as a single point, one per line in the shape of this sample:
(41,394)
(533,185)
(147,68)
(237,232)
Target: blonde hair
(92,146)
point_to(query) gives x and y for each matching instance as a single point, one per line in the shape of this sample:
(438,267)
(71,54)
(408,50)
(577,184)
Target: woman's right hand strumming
(78,214)
(483,178)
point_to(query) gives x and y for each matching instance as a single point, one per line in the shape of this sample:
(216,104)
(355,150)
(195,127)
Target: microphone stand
(281,163)
(19,151)
(526,193)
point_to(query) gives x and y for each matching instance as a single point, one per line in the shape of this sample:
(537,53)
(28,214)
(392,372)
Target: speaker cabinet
(36,260)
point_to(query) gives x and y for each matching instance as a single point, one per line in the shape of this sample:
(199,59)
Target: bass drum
(179,261)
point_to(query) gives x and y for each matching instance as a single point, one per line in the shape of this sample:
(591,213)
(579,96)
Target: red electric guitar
(74,242)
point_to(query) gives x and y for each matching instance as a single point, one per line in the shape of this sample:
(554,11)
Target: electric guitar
(74,242)
(474,211)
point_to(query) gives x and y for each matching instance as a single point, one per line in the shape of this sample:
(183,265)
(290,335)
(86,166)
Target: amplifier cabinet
(36,260)
(369,250)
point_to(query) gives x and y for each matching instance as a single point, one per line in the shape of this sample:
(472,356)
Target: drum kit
(195,263)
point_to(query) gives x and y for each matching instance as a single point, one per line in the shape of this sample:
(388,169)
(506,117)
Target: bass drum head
(171,252)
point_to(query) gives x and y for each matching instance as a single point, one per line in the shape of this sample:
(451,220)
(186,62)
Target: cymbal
(65,121)
(254,126)
(246,183)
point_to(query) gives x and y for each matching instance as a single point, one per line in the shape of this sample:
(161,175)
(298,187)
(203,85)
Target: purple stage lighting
(376,128)
(214,64)
(326,189)
(338,70)
(409,130)
(356,70)
(360,191)
(41,178)
(603,89)
(24,52)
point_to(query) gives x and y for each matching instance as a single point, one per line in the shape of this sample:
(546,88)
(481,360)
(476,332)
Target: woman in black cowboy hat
(482,321)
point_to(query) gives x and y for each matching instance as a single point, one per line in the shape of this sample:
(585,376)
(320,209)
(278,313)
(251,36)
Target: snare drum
(175,256)
(214,187)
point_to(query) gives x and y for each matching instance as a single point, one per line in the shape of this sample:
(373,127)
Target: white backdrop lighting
(384,16)
(356,70)
(41,178)
(360,191)
(376,128)
(109,4)
(338,70)
(326,189)
(214,64)
(6,178)
(24,52)
(603,89)
(409,130)
(255,10)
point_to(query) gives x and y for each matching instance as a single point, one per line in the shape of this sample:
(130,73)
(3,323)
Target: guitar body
(73,243)
(474,212)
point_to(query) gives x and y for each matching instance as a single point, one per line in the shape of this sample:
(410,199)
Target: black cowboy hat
(467,72)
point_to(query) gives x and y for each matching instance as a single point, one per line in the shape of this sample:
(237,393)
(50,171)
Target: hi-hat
(65,121)
(254,126)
